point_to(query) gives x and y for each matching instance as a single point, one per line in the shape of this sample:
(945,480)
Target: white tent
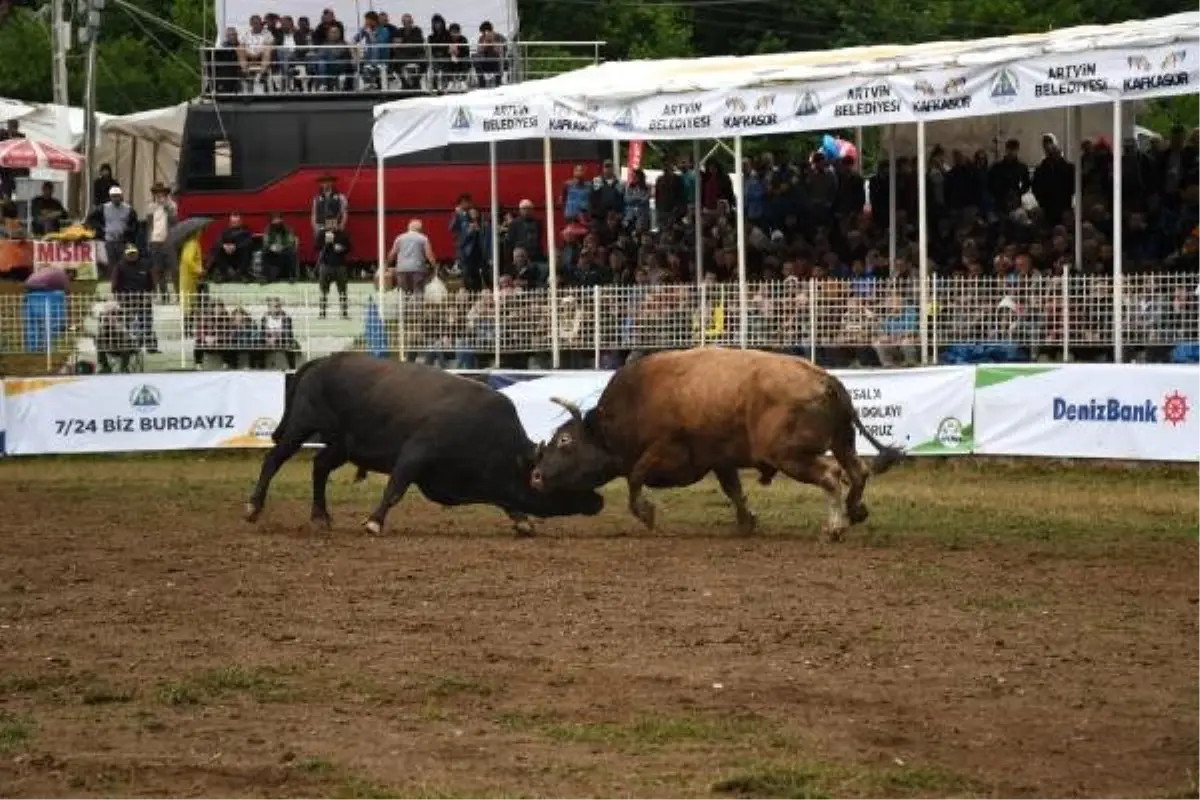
(143,148)
(887,85)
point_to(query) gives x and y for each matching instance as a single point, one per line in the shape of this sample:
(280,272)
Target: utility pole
(90,35)
(61,42)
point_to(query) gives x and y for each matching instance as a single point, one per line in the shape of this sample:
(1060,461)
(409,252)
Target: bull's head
(573,458)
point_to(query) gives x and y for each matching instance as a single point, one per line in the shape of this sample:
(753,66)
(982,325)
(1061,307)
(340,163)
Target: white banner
(923,411)
(1128,411)
(131,413)
(783,106)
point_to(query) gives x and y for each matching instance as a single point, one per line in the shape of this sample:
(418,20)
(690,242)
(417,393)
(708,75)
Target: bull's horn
(569,406)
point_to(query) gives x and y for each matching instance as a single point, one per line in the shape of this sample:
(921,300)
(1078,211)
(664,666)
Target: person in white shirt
(161,214)
(412,253)
(256,46)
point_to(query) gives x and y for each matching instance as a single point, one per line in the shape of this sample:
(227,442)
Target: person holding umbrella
(183,242)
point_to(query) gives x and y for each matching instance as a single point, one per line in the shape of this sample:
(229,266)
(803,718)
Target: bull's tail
(887,456)
(288,395)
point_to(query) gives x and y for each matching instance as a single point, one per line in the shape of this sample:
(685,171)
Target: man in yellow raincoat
(191,270)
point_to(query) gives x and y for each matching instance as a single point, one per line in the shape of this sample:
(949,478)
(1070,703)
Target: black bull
(459,441)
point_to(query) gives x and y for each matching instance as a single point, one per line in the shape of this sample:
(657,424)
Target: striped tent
(29,154)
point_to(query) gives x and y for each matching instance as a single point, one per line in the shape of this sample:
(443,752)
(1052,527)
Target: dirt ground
(993,630)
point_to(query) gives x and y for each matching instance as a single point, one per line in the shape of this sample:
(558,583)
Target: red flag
(635,158)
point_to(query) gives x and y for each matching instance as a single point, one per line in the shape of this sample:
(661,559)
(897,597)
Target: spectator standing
(412,253)
(332,268)
(1053,181)
(119,223)
(1009,179)
(608,192)
(161,215)
(670,195)
(8,177)
(458,224)
(524,232)
(637,201)
(133,286)
(329,206)
(576,194)
(439,50)
(102,186)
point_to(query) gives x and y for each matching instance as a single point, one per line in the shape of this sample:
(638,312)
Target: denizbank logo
(1171,410)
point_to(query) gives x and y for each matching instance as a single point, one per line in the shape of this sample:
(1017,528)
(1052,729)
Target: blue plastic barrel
(45,313)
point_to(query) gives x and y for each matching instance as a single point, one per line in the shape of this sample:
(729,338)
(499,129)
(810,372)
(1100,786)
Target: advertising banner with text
(138,413)
(1130,411)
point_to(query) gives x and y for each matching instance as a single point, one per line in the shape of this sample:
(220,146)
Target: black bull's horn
(570,407)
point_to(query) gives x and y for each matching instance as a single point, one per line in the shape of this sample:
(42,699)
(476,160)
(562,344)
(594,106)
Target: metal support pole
(89,118)
(698,224)
(1118,287)
(596,327)
(547,161)
(494,233)
(891,196)
(743,290)
(922,242)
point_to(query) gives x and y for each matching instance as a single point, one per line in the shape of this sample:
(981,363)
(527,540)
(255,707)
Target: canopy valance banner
(773,104)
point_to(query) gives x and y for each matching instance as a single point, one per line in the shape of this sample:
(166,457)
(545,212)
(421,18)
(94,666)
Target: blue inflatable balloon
(829,147)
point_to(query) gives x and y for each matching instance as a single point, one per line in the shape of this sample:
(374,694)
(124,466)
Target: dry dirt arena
(994,630)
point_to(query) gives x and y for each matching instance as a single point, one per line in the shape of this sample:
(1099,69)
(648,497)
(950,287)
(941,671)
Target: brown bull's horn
(569,406)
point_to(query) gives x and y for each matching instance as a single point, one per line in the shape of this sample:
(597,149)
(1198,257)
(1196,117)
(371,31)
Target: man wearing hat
(118,222)
(328,205)
(161,214)
(133,286)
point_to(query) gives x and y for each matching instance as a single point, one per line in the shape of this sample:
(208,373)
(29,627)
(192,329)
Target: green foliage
(143,64)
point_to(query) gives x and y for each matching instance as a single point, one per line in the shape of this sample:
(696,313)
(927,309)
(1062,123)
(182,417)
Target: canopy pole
(616,158)
(891,197)
(494,234)
(1077,150)
(922,241)
(698,232)
(380,235)
(547,161)
(1118,286)
(739,190)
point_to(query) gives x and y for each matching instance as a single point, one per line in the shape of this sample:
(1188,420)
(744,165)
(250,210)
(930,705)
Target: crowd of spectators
(281,53)
(1001,236)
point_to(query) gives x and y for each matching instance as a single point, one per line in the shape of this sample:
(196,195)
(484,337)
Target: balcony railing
(389,70)
(835,322)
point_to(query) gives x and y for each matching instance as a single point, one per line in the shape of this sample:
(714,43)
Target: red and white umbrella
(28,154)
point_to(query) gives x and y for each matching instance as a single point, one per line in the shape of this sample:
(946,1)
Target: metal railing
(387,69)
(834,322)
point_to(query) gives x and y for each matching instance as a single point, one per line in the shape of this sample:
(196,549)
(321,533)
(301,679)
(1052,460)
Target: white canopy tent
(714,98)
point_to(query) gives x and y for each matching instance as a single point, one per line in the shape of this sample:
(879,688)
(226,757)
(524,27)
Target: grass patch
(442,687)
(103,695)
(824,780)
(15,731)
(263,686)
(642,732)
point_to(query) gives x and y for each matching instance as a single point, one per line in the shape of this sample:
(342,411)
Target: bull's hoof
(835,533)
(523,529)
(251,512)
(645,513)
(858,514)
(321,520)
(747,525)
(373,527)
(765,476)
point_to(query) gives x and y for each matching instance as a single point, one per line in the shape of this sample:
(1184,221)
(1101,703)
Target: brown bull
(671,418)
